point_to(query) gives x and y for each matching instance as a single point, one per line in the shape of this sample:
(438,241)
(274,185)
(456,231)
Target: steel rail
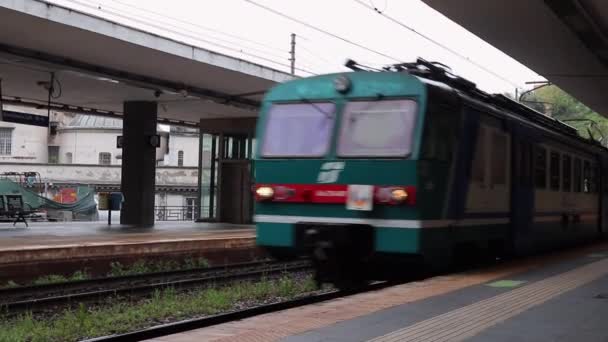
(89,290)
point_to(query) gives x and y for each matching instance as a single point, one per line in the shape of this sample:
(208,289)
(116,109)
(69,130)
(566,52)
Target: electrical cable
(181,28)
(187,35)
(321,30)
(198,25)
(371,2)
(360,2)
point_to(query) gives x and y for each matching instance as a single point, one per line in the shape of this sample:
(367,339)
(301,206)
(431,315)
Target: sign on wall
(25,118)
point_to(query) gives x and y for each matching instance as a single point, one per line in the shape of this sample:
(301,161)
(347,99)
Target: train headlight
(399,195)
(342,84)
(264,192)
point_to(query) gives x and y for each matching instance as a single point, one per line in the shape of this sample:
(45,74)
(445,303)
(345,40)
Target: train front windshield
(298,130)
(382,128)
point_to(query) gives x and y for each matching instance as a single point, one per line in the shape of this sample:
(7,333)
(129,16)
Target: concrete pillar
(138,163)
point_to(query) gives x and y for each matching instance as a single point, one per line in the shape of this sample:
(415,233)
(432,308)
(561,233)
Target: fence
(177,213)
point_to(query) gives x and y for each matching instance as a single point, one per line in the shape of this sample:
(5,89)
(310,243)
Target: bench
(13,206)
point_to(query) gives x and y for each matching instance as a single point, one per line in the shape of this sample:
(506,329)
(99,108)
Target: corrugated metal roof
(92,121)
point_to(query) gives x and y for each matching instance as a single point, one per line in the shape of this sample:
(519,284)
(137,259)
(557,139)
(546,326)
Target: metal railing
(177,213)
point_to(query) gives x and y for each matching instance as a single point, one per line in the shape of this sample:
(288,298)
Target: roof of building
(82,121)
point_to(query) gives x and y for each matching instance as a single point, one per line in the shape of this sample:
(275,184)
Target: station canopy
(565,41)
(96,65)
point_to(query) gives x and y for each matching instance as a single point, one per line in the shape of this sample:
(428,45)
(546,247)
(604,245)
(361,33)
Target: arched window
(180,158)
(68,158)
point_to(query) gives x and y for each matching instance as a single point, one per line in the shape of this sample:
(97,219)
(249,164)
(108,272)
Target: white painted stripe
(381,222)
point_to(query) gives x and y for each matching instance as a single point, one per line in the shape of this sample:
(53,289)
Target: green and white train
(361,169)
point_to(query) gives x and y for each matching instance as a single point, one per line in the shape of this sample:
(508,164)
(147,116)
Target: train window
(586,176)
(527,164)
(577,175)
(479,159)
(298,130)
(499,158)
(523,168)
(540,167)
(566,173)
(439,134)
(593,184)
(554,171)
(377,129)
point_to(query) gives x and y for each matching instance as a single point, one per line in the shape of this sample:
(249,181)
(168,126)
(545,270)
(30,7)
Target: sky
(241,29)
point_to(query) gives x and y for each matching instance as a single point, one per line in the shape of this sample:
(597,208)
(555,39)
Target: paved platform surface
(63,248)
(48,234)
(558,297)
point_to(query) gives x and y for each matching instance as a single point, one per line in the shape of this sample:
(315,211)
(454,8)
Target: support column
(138,181)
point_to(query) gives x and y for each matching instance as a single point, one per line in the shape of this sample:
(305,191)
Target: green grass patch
(55,278)
(117,269)
(164,306)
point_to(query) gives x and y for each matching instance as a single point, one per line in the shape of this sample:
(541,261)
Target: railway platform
(561,296)
(61,247)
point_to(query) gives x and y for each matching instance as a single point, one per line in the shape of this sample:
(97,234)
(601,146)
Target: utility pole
(292,53)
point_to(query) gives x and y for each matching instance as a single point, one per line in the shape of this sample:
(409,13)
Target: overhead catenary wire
(113,11)
(186,22)
(433,41)
(161,28)
(301,22)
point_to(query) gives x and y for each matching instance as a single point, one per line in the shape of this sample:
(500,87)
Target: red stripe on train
(328,193)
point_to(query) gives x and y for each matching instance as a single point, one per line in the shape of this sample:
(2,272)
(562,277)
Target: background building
(81,149)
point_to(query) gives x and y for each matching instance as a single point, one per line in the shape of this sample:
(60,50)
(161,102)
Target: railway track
(197,323)
(51,296)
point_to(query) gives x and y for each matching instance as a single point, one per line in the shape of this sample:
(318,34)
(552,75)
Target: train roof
(438,72)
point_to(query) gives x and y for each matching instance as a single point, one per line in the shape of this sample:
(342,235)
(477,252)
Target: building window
(180,158)
(53,154)
(68,158)
(105,158)
(6,141)
(190,208)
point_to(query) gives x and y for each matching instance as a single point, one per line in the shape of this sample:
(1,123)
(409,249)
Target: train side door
(477,195)
(499,175)
(489,185)
(522,189)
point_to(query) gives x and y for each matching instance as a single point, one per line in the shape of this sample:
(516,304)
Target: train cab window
(586,176)
(377,129)
(499,158)
(540,167)
(566,173)
(554,171)
(298,130)
(577,175)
